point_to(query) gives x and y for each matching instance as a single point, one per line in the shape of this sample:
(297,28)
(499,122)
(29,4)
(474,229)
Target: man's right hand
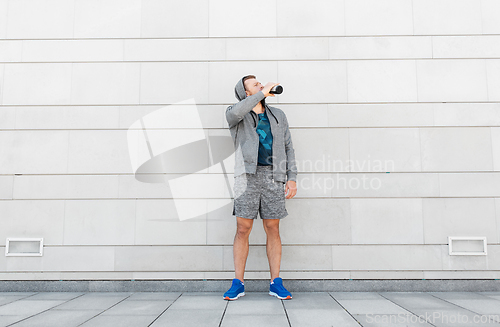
(268,88)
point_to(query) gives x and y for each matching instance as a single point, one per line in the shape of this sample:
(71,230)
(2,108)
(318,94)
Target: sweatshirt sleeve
(291,168)
(236,112)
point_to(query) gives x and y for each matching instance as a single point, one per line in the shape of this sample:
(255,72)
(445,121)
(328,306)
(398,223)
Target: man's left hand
(292,187)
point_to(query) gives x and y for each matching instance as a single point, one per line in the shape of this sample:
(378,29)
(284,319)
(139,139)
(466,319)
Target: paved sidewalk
(184,309)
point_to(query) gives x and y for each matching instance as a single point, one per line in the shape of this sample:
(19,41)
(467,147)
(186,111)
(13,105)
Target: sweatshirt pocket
(248,152)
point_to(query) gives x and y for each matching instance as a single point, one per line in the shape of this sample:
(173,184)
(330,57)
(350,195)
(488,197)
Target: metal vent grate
(467,245)
(24,247)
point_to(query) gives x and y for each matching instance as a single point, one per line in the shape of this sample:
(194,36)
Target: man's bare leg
(240,246)
(273,246)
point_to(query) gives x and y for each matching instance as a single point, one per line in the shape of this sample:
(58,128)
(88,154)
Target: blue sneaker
(277,289)
(237,289)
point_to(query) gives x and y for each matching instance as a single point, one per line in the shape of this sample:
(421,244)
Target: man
(264,162)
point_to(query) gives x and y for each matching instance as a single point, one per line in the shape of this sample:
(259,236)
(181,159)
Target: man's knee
(244,226)
(271,226)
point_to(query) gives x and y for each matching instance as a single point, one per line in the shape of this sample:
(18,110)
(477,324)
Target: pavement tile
(184,309)
(10,299)
(455,317)
(154,296)
(417,300)
(58,318)
(17,293)
(261,320)
(253,302)
(86,302)
(121,321)
(207,302)
(390,320)
(355,295)
(145,307)
(105,294)
(7,320)
(189,318)
(202,293)
(482,306)
(25,307)
(308,300)
(493,296)
(458,295)
(320,318)
(55,296)
(372,306)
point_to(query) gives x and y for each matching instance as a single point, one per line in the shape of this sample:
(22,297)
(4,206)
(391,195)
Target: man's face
(253,86)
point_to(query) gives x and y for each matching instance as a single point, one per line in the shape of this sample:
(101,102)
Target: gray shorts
(258,193)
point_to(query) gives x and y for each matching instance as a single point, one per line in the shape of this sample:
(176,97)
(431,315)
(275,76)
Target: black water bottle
(277,89)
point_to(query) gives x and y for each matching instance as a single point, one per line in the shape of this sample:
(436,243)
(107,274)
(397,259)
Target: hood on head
(240,94)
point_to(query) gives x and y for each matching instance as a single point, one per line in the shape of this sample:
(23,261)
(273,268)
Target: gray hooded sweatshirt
(243,122)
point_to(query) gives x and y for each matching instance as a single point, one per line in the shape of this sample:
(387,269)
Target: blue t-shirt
(265,141)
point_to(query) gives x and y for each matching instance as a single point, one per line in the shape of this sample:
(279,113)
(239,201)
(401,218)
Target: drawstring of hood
(240,94)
